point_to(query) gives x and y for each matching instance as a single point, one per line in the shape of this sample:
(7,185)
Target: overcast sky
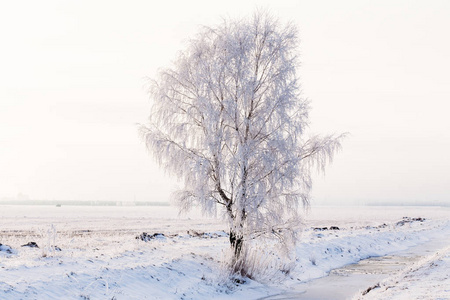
(73,76)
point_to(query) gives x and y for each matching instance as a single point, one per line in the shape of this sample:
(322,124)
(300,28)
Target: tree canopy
(228,118)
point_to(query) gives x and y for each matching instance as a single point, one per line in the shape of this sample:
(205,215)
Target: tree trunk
(236,241)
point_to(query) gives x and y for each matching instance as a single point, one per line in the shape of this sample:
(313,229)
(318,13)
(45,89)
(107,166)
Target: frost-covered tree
(228,118)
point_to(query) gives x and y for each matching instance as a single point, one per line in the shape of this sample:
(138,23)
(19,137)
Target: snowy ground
(428,278)
(101,258)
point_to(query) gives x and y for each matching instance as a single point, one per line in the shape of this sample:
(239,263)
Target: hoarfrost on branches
(228,119)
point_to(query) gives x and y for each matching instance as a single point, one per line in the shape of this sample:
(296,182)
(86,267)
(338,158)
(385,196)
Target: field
(96,253)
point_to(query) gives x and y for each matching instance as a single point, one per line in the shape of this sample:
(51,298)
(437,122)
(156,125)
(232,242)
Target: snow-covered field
(97,254)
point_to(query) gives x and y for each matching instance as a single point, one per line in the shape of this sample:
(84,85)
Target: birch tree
(228,119)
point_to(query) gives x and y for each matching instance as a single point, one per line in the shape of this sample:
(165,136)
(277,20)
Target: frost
(229,120)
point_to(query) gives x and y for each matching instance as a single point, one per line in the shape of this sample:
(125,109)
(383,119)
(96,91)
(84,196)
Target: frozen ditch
(364,276)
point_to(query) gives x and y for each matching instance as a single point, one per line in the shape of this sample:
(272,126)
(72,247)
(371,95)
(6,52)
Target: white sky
(72,88)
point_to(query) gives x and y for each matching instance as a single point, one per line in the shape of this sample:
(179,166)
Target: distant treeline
(82,203)
(412,203)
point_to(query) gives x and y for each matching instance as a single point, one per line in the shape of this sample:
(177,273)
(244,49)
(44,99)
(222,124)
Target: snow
(101,258)
(428,278)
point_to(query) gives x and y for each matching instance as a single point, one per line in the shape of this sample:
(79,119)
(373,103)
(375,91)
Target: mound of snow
(4,249)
